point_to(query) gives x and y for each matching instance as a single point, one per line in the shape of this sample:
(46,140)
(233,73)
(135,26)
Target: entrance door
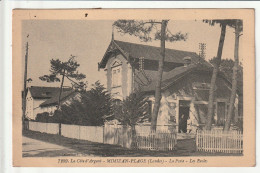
(184,113)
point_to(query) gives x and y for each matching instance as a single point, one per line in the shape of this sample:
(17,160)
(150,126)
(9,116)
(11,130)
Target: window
(116,76)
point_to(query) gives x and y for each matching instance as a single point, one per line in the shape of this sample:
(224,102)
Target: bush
(133,109)
(92,109)
(43,117)
(239,125)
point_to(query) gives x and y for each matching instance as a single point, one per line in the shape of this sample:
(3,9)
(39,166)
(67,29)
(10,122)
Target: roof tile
(55,99)
(40,92)
(153,53)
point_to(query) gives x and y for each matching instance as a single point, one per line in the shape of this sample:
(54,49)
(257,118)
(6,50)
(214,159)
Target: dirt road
(37,148)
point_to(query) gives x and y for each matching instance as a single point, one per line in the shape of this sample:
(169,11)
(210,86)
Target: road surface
(37,148)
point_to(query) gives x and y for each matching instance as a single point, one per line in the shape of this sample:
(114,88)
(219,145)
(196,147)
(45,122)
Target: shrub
(133,109)
(43,117)
(92,109)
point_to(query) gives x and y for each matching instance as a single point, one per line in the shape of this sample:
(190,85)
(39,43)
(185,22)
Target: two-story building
(185,83)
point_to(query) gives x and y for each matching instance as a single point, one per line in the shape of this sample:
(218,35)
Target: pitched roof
(39,92)
(180,72)
(55,99)
(171,76)
(134,50)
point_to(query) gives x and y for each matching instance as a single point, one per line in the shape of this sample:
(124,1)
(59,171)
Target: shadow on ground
(185,147)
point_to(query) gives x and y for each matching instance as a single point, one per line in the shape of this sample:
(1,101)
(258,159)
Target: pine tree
(67,69)
(238,25)
(143,30)
(223,24)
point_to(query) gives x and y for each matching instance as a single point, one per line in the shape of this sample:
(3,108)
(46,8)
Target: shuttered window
(116,76)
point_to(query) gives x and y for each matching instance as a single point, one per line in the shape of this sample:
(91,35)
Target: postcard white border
(6,74)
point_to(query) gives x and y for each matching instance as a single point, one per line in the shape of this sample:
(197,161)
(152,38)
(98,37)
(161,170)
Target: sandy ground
(34,148)
(37,144)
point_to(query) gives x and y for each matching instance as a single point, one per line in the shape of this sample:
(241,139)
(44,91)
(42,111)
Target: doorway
(184,113)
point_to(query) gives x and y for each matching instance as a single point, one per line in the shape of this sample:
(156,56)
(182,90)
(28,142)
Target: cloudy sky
(88,40)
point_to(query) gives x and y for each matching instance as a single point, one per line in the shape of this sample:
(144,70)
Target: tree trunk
(133,134)
(214,77)
(234,81)
(61,89)
(159,77)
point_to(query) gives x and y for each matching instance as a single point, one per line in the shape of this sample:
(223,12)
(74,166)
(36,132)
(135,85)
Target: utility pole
(25,82)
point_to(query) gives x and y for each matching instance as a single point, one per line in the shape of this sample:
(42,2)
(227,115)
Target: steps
(185,136)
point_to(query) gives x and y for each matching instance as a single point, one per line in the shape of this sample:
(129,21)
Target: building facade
(185,84)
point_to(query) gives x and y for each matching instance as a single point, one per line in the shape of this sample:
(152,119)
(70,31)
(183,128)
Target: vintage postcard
(134,88)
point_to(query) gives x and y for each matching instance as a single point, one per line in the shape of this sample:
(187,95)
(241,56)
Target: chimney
(141,63)
(202,50)
(187,61)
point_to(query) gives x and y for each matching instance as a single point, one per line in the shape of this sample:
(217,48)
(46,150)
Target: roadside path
(37,148)
(36,144)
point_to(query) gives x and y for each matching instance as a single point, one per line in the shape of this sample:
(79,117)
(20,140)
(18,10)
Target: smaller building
(66,98)
(36,95)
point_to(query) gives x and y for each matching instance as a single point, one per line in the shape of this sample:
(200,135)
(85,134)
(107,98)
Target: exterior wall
(36,108)
(29,106)
(124,90)
(32,106)
(183,90)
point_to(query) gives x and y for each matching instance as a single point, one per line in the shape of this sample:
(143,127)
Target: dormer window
(187,61)
(116,74)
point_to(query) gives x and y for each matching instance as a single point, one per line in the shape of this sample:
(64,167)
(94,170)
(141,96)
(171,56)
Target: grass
(184,147)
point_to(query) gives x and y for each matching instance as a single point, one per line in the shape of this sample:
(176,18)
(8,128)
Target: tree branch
(73,81)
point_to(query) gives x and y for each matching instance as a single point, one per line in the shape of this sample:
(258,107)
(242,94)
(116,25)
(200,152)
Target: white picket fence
(219,141)
(143,138)
(162,140)
(110,134)
(118,135)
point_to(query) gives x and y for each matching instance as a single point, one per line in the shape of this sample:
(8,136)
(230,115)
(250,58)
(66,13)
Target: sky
(88,41)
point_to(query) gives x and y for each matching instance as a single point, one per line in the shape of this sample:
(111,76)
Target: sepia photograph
(101,88)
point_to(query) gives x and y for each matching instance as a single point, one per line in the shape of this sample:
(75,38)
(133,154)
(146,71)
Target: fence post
(60,129)
(79,132)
